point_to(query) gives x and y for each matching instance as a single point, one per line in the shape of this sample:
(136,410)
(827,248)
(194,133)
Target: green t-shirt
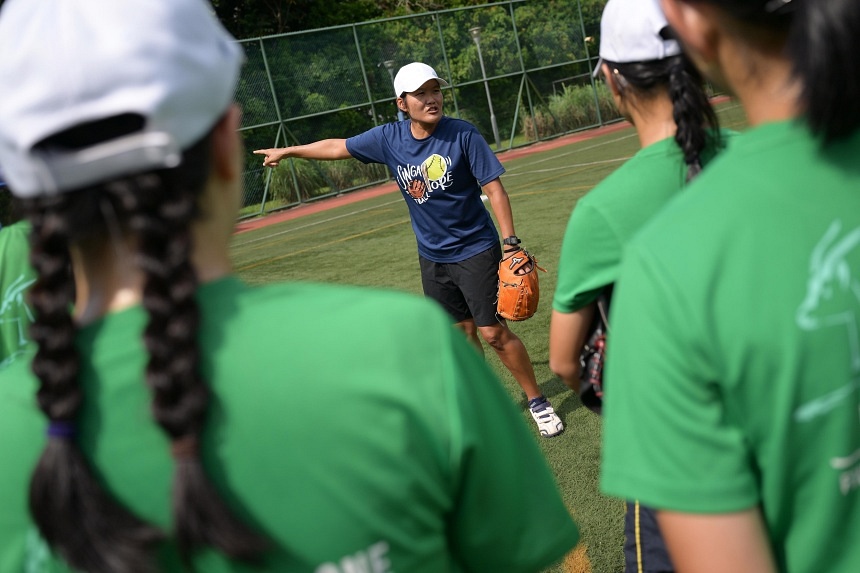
(735,365)
(16,276)
(357,428)
(607,217)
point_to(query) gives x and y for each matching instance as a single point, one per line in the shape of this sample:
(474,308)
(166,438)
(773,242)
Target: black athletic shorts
(467,289)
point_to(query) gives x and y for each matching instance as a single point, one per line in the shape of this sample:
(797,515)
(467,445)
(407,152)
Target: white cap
(68,62)
(412,76)
(630,31)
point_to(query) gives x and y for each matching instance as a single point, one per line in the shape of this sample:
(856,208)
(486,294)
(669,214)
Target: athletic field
(370,242)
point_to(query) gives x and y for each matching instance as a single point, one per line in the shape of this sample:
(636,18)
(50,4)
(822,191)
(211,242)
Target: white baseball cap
(412,76)
(67,63)
(633,31)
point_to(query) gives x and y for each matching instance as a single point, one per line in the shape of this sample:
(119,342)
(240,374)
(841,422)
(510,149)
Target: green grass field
(371,243)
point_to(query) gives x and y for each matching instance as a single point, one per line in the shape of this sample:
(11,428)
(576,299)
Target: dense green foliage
(336,82)
(251,18)
(569,110)
(314,84)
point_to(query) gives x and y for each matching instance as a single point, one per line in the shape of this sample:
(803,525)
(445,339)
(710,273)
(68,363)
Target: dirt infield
(390,187)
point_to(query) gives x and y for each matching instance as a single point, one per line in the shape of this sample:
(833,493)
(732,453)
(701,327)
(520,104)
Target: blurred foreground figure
(657,89)
(733,394)
(178,416)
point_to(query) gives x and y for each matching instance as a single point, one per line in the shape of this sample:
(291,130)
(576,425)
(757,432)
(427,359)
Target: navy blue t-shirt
(448,217)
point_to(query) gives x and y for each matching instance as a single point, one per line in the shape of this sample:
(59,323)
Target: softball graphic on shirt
(434,173)
(434,168)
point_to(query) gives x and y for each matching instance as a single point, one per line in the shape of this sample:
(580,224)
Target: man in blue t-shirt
(442,165)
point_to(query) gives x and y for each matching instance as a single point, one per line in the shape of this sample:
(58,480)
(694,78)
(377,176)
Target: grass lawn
(371,243)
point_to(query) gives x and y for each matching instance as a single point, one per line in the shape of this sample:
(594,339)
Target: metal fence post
(304,89)
(588,59)
(277,107)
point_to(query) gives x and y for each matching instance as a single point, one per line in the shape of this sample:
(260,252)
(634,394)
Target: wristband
(513,240)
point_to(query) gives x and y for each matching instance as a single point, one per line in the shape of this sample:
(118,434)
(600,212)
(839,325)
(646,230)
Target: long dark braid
(180,395)
(692,112)
(75,515)
(691,109)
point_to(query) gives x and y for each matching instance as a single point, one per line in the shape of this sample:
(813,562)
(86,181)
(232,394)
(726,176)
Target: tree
(253,18)
(250,18)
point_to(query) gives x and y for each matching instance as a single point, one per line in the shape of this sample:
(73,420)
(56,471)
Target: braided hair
(691,109)
(79,519)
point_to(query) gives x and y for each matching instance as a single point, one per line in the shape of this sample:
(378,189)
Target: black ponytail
(822,42)
(78,518)
(824,45)
(694,117)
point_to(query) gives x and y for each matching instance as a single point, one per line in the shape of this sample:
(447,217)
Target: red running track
(390,187)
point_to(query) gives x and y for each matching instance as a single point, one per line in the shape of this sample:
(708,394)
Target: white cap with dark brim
(412,76)
(70,63)
(632,31)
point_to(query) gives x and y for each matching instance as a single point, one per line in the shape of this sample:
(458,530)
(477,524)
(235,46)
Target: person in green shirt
(177,419)
(733,397)
(16,277)
(661,93)
(658,90)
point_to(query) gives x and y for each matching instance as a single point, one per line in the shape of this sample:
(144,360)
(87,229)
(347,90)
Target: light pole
(389,65)
(476,35)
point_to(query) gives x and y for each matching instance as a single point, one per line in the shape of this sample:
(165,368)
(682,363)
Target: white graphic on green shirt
(36,553)
(14,311)
(830,279)
(849,479)
(826,403)
(374,559)
(832,294)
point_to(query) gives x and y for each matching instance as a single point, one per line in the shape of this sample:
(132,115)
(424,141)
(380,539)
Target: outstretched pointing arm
(325,149)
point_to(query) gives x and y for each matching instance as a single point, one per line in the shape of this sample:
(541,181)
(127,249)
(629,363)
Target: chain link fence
(520,70)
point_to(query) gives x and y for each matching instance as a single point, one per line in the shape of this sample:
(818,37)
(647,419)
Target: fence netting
(520,70)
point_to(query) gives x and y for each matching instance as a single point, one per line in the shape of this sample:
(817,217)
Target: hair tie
(61,429)
(185,447)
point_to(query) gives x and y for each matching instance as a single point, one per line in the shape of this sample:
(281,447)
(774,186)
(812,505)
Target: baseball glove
(519,290)
(593,356)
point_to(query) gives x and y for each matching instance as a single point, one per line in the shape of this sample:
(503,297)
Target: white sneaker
(548,422)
